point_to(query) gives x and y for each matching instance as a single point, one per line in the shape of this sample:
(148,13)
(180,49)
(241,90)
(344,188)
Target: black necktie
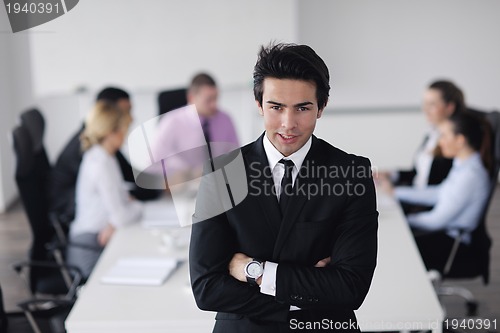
(286,185)
(206,134)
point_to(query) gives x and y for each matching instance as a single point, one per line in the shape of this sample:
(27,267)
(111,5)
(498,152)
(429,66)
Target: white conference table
(401,297)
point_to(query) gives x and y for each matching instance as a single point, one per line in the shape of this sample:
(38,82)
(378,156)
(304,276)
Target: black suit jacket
(315,226)
(62,180)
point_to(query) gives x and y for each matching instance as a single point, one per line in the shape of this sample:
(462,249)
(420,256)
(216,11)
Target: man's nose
(288,120)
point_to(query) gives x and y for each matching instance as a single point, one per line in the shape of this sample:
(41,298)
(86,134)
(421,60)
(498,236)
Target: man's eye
(275,107)
(303,108)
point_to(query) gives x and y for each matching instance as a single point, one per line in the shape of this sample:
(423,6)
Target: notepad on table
(141,271)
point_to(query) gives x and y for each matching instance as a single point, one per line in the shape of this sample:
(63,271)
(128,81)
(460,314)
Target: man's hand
(105,235)
(237,267)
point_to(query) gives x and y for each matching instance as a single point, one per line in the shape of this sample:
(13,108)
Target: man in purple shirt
(182,134)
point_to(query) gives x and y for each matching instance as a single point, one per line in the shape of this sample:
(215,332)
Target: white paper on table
(141,271)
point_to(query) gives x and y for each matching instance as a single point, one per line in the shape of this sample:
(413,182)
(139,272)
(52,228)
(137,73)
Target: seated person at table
(102,201)
(459,200)
(179,131)
(441,100)
(63,176)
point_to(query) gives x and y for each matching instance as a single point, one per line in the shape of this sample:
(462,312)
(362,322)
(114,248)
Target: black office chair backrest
(32,172)
(171,99)
(481,241)
(33,121)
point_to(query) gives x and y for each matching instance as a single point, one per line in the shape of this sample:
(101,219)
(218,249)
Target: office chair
(50,319)
(34,122)
(171,99)
(42,273)
(475,261)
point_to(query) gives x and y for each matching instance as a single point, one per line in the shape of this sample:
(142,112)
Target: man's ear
(261,112)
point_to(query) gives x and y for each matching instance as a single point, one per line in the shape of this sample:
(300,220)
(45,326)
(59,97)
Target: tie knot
(286,163)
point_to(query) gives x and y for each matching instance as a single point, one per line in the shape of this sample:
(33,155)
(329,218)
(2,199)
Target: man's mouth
(287,138)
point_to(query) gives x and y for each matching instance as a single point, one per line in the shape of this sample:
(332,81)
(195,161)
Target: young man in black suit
(299,251)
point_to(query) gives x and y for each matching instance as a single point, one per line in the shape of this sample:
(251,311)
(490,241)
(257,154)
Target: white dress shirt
(424,158)
(458,201)
(268,285)
(101,195)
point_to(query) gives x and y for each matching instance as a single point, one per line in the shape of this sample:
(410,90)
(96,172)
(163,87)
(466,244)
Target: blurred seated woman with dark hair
(458,202)
(441,100)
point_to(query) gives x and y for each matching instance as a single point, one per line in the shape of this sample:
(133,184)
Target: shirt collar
(474,158)
(274,156)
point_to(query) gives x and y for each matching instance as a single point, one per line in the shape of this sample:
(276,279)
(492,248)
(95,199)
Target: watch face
(254,269)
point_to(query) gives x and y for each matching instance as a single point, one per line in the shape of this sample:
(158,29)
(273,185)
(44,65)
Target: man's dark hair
(450,93)
(201,79)
(112,94)
(291,61)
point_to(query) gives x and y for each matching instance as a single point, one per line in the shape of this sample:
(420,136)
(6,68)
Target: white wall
(389,140)
(381,54)
(143,46)
(155,43)
(15,94)
(384,53)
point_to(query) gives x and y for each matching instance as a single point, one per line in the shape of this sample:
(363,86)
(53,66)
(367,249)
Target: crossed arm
(240,260)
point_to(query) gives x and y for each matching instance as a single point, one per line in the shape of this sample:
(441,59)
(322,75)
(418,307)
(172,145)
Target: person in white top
(458,202)
(440,100)
(102,200)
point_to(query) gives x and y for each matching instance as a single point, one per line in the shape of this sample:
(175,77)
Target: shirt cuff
(394,176)
(268,285)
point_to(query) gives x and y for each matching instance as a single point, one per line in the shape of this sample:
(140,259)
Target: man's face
(290,110)
(205,100)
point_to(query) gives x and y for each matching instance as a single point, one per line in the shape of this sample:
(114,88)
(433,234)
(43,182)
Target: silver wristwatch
(254,270)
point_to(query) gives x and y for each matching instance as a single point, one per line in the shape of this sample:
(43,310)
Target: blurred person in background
(441,100)
(459,200)
(64,173)
(102,201)
(180,137)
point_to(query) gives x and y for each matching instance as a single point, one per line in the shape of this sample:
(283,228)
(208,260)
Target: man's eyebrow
(275,103)
(296,105)
(303,104)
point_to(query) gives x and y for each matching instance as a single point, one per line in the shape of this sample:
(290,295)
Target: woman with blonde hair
(102,201)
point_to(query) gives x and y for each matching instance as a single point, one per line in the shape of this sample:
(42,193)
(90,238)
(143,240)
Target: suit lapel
(297,201)
(259,170)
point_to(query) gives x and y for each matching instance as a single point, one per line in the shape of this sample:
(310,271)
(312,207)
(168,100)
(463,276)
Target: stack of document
(141,271)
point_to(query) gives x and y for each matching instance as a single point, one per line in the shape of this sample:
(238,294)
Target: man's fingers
(323,262)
